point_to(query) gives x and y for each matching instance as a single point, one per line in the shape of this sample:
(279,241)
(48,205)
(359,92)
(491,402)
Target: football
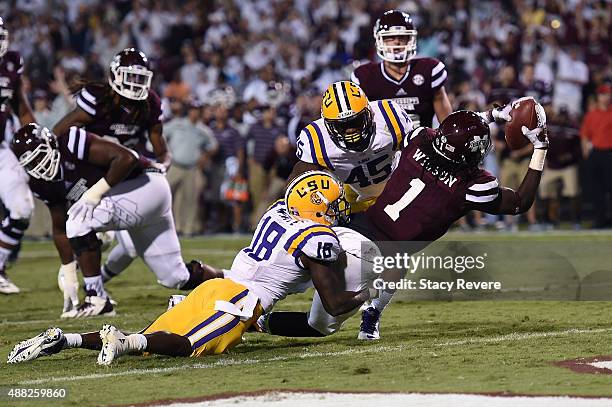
(525,112)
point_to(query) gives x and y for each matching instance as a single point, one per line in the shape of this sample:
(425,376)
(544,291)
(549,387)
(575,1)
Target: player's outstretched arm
(512,202)
(330,284)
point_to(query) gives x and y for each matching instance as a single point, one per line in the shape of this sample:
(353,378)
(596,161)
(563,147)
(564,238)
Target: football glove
(538,137)
(83,209)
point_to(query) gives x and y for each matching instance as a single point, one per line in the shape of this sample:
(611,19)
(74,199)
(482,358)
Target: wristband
(537,159)
(97,190)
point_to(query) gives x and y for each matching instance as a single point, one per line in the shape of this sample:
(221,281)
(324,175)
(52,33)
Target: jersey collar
(390,79)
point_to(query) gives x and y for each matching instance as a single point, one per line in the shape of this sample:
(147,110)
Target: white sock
(383,300)
(95,284)
(137,342)
(4,255)
(73,340)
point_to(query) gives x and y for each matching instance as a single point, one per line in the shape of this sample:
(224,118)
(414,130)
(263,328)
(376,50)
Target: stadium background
(239,79)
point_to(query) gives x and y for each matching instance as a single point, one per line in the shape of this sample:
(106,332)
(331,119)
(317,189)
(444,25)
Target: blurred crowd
(240,78)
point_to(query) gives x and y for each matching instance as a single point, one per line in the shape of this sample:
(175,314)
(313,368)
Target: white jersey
(270,267)
(366,172)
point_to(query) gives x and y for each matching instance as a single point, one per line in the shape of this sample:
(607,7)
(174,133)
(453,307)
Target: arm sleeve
(304,148)
(87,101)
(482,190)
(321,245)
(20,65)
(438,75)
(78,143)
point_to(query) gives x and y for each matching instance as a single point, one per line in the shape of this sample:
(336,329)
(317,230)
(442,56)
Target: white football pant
(143,208)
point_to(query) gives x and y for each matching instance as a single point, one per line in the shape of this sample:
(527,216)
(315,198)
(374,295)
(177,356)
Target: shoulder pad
(318,242)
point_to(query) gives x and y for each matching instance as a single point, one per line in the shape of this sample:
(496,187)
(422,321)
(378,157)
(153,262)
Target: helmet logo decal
(316,198)
(478,143)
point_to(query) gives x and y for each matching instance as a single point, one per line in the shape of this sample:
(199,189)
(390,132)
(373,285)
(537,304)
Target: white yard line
(305,399)
(517,336)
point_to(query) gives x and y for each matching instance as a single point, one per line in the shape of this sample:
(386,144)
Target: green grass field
(476,346)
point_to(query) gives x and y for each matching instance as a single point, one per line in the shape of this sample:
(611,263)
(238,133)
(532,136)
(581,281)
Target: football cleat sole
(47,343)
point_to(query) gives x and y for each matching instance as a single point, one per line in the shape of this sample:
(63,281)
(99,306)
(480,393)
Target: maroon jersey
(119,122)
(414,92)
(77,175)
(419,205)
(11,68)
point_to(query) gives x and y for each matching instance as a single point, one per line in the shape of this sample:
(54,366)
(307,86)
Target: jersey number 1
(393,210)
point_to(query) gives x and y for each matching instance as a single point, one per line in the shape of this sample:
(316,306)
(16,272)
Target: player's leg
(210,320)
(123,207)
(120,257)
(17,198)
(156,241)
(370,317)
(115,343)
(52,341)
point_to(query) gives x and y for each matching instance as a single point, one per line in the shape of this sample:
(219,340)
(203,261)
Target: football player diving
(416,84)
(14,191)
(437,181)
(126,110)
(90,185)
(294,247)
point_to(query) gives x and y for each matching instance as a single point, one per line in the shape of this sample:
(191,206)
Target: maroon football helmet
(130,75)
(395,23)
(37,151)
(4,38)
(462,138)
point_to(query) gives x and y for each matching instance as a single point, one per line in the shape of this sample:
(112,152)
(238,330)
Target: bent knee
(324,327)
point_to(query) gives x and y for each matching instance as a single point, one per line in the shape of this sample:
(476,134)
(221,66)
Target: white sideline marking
(299,399)
(516,336)
(602,365)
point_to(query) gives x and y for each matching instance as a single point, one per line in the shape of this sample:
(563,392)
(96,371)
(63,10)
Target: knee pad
(88,242)
(324,327)
(12,230)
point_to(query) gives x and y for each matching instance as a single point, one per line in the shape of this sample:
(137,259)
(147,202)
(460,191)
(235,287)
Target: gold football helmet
(347,115)
(317,196)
